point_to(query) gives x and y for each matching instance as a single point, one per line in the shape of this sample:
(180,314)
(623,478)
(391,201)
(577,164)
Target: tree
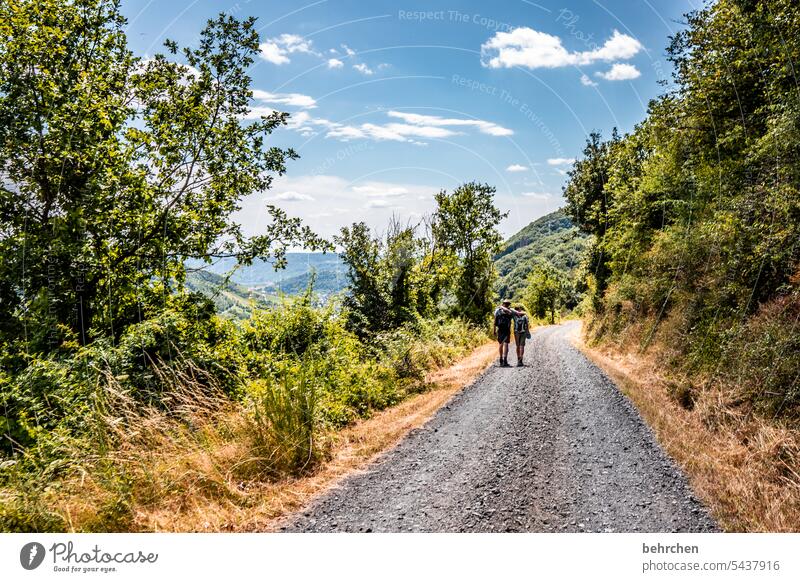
(589,200)
(545,292)
(368,298)
(393,280)
(400,257)
(466,224)
(114,170)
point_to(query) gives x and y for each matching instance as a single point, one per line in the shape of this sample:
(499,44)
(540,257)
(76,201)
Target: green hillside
(231,299)
(263,274)
(326,283)
(550,239)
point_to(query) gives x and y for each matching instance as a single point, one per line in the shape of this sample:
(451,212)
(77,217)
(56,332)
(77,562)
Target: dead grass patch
(744,467)
(190,484)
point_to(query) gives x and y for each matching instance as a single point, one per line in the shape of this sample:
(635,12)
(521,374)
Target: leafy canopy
(466,224)
(114,169)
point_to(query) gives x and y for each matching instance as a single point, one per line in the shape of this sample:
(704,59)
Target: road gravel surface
(550,447)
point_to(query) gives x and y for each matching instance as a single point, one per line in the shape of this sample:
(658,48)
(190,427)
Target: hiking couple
(503,317)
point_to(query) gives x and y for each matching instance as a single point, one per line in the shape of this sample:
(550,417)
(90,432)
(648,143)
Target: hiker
(521,332)
(503,316)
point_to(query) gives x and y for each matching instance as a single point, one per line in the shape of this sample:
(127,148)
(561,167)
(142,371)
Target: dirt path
(553,446)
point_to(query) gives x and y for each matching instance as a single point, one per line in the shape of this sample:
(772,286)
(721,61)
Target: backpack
(521,325)
(502,319)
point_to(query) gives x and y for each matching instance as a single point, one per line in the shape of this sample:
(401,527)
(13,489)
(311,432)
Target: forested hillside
(551,240)
(263,274)
(264,283)
(230,299)
(696,256)
(326,283)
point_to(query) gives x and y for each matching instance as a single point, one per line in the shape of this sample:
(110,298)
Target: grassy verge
(200,424)
(742,465)
(190,478)
(353,448)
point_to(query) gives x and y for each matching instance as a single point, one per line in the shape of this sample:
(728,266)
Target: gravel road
(552,447)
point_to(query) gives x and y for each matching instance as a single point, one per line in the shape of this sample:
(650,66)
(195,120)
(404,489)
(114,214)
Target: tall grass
(184,414)
(284,424)
(724,393)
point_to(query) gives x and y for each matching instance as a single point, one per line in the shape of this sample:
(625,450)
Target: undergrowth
(185,408)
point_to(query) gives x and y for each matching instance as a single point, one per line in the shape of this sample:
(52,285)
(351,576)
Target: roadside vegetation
(694,263)
(125,393)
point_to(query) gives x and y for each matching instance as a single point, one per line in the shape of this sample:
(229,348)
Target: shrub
(187,403)
(284,422)
(763,358)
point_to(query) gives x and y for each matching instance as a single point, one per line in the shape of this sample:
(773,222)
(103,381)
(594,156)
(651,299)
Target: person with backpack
(503,317)
(522,332)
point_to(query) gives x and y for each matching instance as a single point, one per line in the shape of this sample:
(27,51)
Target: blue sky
(393,101)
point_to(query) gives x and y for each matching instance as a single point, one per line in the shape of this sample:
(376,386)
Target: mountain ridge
(552,239)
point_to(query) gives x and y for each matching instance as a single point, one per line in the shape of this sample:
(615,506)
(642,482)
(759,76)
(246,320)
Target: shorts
(520,338)
(503,335)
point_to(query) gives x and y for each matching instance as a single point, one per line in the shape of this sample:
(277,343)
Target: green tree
(115,170)
(545,292)
(466,224)
(402,254)
(367,299)
(589,201)
(392,280)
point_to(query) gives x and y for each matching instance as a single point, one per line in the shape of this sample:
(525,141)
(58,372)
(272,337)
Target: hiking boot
(520,364)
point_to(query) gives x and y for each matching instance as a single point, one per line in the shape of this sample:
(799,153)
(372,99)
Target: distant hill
(261,276)
(552,239)
(326,283)
(231,299)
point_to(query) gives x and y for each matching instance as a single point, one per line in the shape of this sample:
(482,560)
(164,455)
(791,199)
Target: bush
(284,423)
(190,403)
(763,359)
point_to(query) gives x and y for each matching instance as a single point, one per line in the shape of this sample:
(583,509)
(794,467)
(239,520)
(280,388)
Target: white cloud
(620,72)
(619,46)
(293,99)
(275,50)
(378,189)
(342,203)
(436,121)
(378,204)
(538,195)
(517,168)
(335,64)
(414,126)
(530,48)
(363,69)
(292,196)
(350,52)
(257,112)
(560,161)
(272,53)
(389,131)
(585,80)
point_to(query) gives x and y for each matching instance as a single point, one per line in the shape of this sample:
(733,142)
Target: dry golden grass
(188,476)
(744,468)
